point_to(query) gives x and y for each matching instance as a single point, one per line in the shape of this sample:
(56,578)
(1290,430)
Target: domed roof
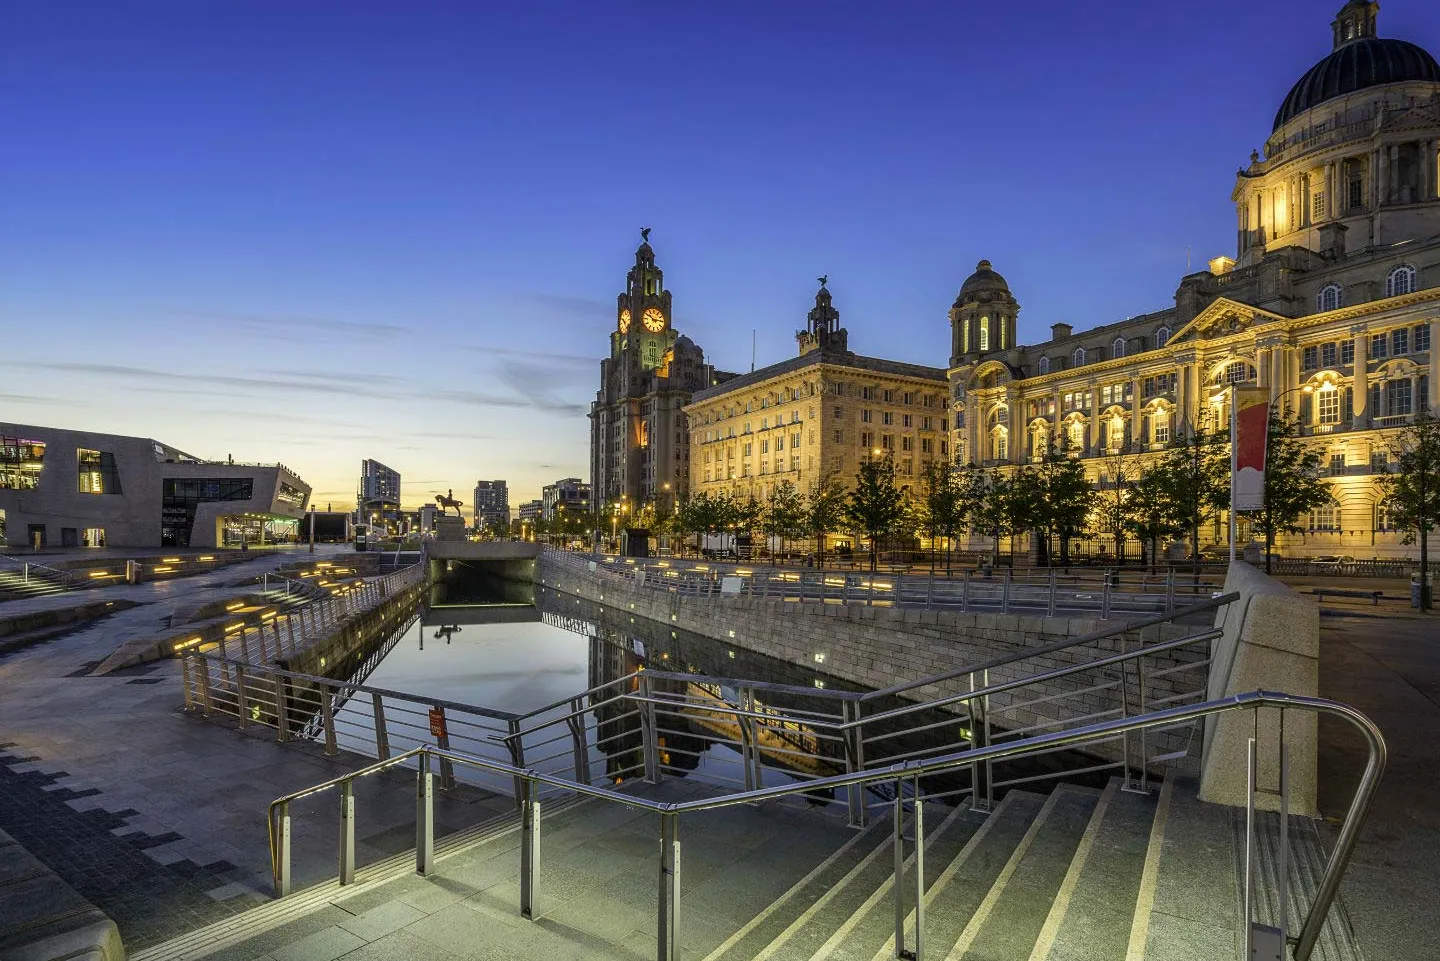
(984,278)
(1356,65)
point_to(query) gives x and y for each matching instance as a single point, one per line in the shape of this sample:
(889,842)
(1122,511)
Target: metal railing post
(529,848)
(854,761)
(668,942)
(241,712)
(515,744)
(749,751)
(442,741)
(649,735)
(327,718)
(579,743)
(424,817)
(897,818)
(282,708)
(1248,912)
(280,849)
(1284,873)
(347,833)
(382,734)
(185,682)
(918,954)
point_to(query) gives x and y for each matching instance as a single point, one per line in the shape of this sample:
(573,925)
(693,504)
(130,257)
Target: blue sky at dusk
(320,231)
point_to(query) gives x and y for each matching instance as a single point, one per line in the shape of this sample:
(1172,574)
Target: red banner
(1249,421)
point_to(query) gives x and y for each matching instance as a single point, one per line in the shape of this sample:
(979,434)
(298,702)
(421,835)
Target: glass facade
(98,474)
(180,497)
(21,461)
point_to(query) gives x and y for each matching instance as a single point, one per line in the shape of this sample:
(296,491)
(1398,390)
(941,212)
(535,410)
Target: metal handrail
(64,575)
(1304,944)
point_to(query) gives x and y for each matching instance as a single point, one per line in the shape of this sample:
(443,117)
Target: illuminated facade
(1332,302)
(68,488)
(820,413)
(638,449)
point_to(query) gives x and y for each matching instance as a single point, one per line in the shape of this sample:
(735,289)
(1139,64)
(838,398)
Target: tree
(876,506)
(1003,507)
(1151,513)
(1195,475)
(784,514)
(1412,495)
(824,512)
(1062,499)
(943,505)
(1116,505)
(1293,487)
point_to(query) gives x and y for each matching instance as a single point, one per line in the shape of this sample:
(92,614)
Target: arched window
(1075,433)
(1162,337)
(1000,444)
(1401,280)
(1117,349)
(1238,372)
(1044,365)
(1329,298)
(1078,358)
(984,335)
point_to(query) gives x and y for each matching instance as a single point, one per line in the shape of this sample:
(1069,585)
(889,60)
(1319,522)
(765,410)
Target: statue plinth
(450,529)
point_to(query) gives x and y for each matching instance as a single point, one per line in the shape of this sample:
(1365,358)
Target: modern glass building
(68,488)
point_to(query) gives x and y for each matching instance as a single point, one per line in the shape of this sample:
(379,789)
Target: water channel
(515,648)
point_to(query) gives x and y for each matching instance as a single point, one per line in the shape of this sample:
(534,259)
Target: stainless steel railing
(529,782)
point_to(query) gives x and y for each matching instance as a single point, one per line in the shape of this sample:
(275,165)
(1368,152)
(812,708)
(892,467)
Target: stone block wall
(879,647)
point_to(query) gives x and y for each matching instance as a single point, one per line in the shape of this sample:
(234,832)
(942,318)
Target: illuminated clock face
(653,320)
(624,321)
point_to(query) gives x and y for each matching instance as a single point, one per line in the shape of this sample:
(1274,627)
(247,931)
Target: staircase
(14,585)
(1076,874)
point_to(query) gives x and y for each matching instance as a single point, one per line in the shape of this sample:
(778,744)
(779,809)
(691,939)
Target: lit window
(1401,280)
(1329,406)
(1327,355)
(1329,298)
(1399,341)
(1238,372)
(1422,338)
(98,474)
(984,333)
(1075,433)
(1323,519)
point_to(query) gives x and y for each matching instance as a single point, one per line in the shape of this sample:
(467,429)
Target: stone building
(1332,301)
(638,449)
(819,413)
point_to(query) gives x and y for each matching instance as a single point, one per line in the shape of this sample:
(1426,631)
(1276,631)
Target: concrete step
(1337,940)
(1095,906)
(957,892)
(874,930)
(1010,918)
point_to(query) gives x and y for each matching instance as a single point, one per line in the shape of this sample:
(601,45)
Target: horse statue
(447,501)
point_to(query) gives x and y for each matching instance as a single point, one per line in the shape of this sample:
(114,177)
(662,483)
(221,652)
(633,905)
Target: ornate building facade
(638,434)
(1332,302)
(819,413)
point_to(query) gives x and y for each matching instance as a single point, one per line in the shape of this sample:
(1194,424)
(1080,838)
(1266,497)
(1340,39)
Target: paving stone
(382,919)
(324,945)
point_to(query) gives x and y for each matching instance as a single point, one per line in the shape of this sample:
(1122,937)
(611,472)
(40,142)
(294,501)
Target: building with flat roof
(570,495)
(818,414)
(378,500)
(491,505)
(532,511)
(70,488)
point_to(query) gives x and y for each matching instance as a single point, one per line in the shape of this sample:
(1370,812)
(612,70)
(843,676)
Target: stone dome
(984,279)
(1356,65)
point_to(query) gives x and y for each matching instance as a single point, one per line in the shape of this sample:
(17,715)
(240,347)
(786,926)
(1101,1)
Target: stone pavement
(159,818)
(1390,669)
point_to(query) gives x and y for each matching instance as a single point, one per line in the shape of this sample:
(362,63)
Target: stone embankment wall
(878,647)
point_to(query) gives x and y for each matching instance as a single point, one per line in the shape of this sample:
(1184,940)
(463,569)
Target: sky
(314,232)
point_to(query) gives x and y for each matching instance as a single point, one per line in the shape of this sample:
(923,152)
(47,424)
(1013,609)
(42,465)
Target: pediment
(1223,318)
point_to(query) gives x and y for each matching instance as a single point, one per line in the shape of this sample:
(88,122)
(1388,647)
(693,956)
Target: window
(904,420)
(1323,519)
(1329,406)
(867,393)
(1399,281)
(1422,338)
(1000,445)
(1398,397)
(839,413)
(925,423)
(839,437)
(1327,355)
(867,438)
(984,333)
(1378,343)
(889,397)
(1238,372)
(746,451)
(779,443)
(1147,387)
(926,445)
(907,398)
(97,472)
(764,447)
(887,441)
(1309,358)
(865,416)
(906,444)
(21,461)
(1380,461)
(1347,351)
(1399,341)
(1357,193)
(1075,434)
(1117,349)
(1078,358)
(1162,337)
(1337,463)
(1329,298)
(1162,432)
(887,418)
(1317,205)
(1044,365)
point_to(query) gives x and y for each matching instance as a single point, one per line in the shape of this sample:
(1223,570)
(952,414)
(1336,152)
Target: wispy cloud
(147,378)
(477,399)
(296,328)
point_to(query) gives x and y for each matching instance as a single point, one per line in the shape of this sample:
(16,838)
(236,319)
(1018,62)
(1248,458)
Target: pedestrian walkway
(156,819)
(1389,669)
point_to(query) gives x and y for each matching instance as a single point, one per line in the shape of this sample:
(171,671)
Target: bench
(1322,592)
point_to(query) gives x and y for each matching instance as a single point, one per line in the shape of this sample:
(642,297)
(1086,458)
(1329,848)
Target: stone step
(874,929)
(1010,918)
(1095,907)
(952,899)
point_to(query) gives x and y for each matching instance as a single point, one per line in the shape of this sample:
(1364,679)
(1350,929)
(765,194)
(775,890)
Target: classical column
(1434,399)
(1331,182)
(1094,444)
(1135,409)
(1360,383)
(1382,176)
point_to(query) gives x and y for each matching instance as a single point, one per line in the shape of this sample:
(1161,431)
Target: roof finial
(824,279)
(644,235)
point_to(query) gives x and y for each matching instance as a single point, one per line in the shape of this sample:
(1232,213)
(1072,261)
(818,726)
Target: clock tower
(639,440)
